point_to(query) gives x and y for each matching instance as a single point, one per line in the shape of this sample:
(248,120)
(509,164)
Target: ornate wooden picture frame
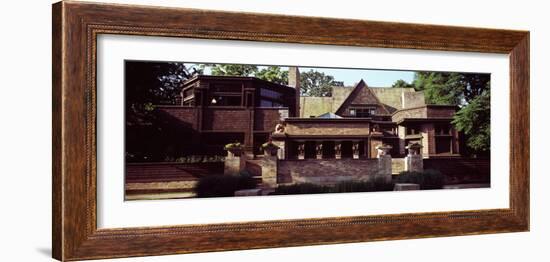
(76,26)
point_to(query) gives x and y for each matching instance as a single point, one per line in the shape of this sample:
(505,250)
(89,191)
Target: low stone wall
(327,171)
(461,170)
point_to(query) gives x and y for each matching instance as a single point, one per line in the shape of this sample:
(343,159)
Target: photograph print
(202,129)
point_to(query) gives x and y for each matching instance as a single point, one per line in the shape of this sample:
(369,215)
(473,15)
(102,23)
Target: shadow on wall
(164,139)
(461,170)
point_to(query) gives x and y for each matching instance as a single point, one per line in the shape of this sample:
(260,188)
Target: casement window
(222,94)
(271,98)
(412,130)
(362,112)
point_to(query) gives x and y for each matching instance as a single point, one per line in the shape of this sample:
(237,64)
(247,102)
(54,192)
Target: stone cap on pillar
(414,148)
(383,150)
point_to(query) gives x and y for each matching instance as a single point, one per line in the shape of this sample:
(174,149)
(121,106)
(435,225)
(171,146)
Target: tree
(450,88)
(471,92)
(401,84)
(315,83)
(440,88)
(474,120)
(148,84)
(151,83)
(273,74)
(232,70)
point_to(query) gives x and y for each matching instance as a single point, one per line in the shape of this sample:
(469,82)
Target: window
(233,88)
(442,130)
(225,100)
(269,103)
(412,130)
(362,112)
(268,93)
(443,145)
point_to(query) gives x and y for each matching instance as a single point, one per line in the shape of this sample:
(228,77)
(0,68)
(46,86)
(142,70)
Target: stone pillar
(384,163)
(281,151)
(401,133)
(338,150)
(278,138)
(375,142)
(355,149)
(269,166)
(319,150)
(294,81)
(301,151)
(234,161)
(413,160)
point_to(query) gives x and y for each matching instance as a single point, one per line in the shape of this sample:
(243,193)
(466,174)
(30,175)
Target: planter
(270,149)
(235,149)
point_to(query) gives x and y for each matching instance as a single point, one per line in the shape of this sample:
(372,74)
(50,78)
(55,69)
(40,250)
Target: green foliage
(148,84)
(402,84)
(474,120)
(302,188)
(273,74)
(152,83)
(223,185)
(469,91)
(235,145)
(440,88)
(342,187)
(267,144)
(233,70)
(451,88)
(428,179)
(196,159)
(315,83)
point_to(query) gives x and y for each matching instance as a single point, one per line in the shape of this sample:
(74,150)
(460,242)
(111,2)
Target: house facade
(351,124)
(212,111)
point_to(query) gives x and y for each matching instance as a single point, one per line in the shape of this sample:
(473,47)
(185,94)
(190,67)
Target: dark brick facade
(218,110)
(221,110)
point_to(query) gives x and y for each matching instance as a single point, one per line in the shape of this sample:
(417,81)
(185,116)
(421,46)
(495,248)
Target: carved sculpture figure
(279,128)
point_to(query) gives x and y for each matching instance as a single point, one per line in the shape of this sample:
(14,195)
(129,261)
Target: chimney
(294,81)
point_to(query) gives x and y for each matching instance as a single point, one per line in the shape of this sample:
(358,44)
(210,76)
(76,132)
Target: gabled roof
(361,88)
(329,115)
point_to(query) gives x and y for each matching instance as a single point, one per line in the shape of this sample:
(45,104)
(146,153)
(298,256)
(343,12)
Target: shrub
(428,179)
(377,184)
(303,188)
(197,159)
(223,185)
(342,187)
(433,179)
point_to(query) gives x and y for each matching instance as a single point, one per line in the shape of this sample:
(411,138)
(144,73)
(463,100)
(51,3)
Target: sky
(373,78)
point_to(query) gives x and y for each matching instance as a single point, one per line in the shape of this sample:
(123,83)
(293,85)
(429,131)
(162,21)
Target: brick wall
(328,171)
(315,106)
(226,119)
(266,119)
(441,111)
(410,113)
(184,114)
(413,99)
(327,128)
(428,139)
